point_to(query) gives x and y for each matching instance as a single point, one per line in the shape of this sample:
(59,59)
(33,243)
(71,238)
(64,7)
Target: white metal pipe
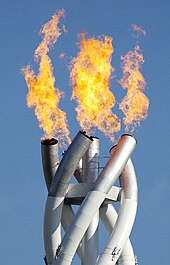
(52,226)
(127,257)
(69,163)
(125,218)
(90,162)
(50,159)
(66,219)
(78,171)
(90,242)
(129,190)
(57,192)
(67,216)
(90,172)
(116,163)
(77,228)
(94,199)
(119,235)
(109,216)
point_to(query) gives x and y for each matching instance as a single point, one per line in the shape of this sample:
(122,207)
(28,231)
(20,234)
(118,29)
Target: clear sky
(22,187)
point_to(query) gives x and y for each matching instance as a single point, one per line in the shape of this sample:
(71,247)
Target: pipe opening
(85,134)
(95,137)
(51,141)
(128,134)
(111,149)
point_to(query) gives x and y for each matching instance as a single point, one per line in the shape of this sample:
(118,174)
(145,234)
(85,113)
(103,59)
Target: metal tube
(116,163)
(77,228)
(66,219)
(57,192)
(52,226)
(90,172)
(94,199)
(125,218)
(69,163)
(90,162)
(50,159)
(78,171)
(109,216)
(127,256)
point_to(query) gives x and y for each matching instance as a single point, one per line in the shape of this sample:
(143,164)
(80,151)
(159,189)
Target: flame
(138,30)
(42,95)
(50,32)
(90,79)
(135,104)
(62,55)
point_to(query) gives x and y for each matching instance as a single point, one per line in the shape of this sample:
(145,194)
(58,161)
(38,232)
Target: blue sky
(22,187)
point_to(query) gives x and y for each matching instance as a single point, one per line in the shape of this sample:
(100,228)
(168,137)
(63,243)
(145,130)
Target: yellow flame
(42,95)
(90,79)
(135,104)
(50,32)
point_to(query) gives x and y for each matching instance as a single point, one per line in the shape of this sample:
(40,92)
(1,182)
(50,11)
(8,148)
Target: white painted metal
(66,219)
(78,171)
(125,218)
(69,163)
(52,226)
(90,162)
(67,216)
(90,172)
(80,190)
(109,216)
(52,216)
(116,163)
(90,242)
(78,227)
(127,256)
(94,199)
(57,191)
(50,159)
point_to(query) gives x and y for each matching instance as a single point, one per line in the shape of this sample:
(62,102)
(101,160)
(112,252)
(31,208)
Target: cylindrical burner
(90,172)
(50,159)
(94,199)
(57,191)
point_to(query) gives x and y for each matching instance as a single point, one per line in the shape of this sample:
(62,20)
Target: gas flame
(138,30)
(135,104)
(42,95)
(50,32)
(90,79)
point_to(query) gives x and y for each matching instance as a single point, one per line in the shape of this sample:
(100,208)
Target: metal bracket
(136,260)
(115,252)
(45,260)
(77,192)
(58,251)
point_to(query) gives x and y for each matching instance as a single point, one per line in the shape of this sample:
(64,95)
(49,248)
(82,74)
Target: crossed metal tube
(82,227)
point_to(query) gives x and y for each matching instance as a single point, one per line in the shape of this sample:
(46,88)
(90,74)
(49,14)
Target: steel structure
(95,194)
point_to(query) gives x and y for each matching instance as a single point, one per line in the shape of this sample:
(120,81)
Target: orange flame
(51,33)
(42,95)
(90,79)
(138,30)
(135,104)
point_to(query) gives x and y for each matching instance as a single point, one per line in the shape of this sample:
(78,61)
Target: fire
(90,79)
(135,104)
(42,95)
(51,33)
(138,30)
